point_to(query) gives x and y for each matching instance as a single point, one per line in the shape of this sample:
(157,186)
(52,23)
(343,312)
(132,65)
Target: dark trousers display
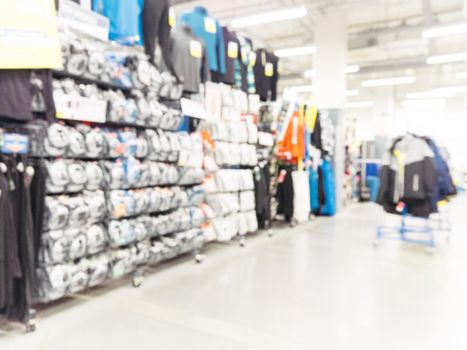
(38,193)
(263,196)
(18,238)
(285,193)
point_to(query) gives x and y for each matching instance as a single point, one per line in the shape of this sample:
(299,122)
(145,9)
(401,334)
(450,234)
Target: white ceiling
(384,36)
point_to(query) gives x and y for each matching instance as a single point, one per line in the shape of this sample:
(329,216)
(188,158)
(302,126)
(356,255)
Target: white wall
(448,127)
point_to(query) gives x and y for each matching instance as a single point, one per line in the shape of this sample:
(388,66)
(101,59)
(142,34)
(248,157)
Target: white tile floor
(318,286)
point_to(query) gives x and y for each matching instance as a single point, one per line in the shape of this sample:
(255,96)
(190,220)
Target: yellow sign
(196,49)
(210,25)
(172,17)
(29,35)
(269,70)
(232,50)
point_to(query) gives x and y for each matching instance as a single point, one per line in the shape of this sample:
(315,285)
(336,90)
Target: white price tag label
(232,50)
(269,70)
(210,25)
(172,17)
(196,49)
(252,58)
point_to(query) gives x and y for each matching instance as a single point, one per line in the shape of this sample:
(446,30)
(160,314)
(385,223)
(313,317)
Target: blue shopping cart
(416,230)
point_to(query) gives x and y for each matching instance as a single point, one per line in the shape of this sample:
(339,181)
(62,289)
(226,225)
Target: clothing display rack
(114,194)
(265,171)
(21,203)
(306,149)
(405,232)
(415,182)
(108,172)
(231,148)
(420,231)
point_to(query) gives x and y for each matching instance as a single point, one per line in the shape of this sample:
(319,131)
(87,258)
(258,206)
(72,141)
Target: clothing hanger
(415,135)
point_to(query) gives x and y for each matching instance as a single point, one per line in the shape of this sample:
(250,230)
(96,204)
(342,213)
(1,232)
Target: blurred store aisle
(319,286)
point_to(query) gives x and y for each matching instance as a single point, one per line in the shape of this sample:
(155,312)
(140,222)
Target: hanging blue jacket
(445,186)
(314,198)
(210,30)
(329,207)
(125,19)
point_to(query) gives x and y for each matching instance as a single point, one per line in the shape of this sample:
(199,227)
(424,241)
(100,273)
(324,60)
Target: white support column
(331,83)
(330,61)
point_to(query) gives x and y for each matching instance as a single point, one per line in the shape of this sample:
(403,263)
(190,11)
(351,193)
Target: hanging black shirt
(232,54)
(316,139)
(156,27)
(15,94)
(4,275)
(266,75)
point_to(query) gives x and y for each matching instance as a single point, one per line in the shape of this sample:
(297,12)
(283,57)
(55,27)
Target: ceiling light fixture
(388,81)
(461,75)
(310,73)
(353,68)
(359,104)
(302,88)
(295,51)
(269,17)
(445,30)
(451,89)
(350,93)
(427,95)
(435,103)
(454,57)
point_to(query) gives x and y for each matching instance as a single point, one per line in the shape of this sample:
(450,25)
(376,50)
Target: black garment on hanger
(38,194)
(266,86)
(285,193)
(321,192)
(275,78)
(13,214)
(24,284)
(230,41)
(10,261)
(15,94)
(316,139)
(262,178)
(156,27)
(420,178)
(45,94)
(4,272)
